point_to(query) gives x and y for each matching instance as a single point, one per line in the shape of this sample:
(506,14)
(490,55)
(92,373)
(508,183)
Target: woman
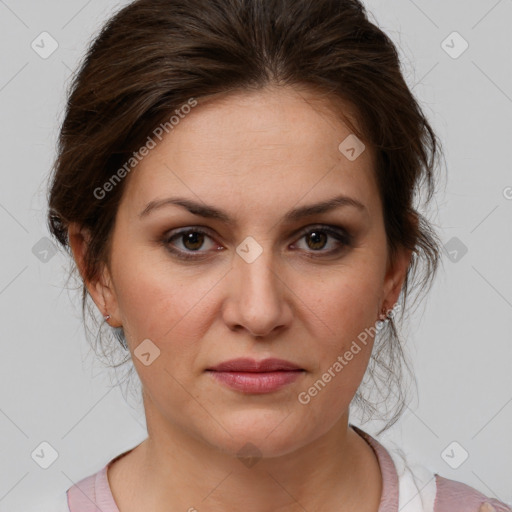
(235,181)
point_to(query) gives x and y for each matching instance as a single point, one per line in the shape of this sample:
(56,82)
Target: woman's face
(261,280)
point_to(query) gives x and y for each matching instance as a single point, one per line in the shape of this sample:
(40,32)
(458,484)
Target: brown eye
(193,240)
(186,242)
(318,239)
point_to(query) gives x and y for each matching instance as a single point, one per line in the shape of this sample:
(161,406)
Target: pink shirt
(93,494)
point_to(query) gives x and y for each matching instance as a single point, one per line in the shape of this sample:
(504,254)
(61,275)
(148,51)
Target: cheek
(344,304)
(159,301)
(343,308)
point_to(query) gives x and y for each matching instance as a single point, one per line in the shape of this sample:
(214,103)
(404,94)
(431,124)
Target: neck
(174,470)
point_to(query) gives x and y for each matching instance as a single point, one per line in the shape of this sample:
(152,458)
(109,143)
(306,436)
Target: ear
(100,287)
(395,275)
(394,279)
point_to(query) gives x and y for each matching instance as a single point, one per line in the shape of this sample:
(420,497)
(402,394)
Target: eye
(190,239)
(317,238)
(183,244)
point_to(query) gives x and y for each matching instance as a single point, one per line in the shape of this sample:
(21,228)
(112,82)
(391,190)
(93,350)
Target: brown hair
(153,56)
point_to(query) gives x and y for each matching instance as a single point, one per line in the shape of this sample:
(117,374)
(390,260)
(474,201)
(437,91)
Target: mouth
(256,377)
(251,365)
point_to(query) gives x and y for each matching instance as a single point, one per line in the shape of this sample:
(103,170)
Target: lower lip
(254,382)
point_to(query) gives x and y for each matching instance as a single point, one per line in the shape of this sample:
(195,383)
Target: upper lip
(251,365)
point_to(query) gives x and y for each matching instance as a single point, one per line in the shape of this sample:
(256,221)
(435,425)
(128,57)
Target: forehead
(273,146)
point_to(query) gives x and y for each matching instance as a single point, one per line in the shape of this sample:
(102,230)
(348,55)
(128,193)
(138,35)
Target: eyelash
(341,235)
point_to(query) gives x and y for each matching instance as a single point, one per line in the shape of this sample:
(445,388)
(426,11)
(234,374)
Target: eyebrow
(211,212)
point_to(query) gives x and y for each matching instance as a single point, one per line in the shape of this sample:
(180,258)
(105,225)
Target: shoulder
(423,489)
(456,496)
(418,488)
(89,493)
(93,492)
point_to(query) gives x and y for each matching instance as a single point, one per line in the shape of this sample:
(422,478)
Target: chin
(258,434)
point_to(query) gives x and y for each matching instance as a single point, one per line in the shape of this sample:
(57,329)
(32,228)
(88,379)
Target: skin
(255,155)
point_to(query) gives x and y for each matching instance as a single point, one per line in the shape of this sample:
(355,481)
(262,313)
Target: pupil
(315,237)
(193,238)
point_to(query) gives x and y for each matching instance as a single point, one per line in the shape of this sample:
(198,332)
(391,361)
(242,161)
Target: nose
(258,298)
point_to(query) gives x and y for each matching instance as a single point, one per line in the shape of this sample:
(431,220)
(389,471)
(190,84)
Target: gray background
(53,389)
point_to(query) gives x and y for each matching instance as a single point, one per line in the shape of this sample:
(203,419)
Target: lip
(244,364)
(257,377)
